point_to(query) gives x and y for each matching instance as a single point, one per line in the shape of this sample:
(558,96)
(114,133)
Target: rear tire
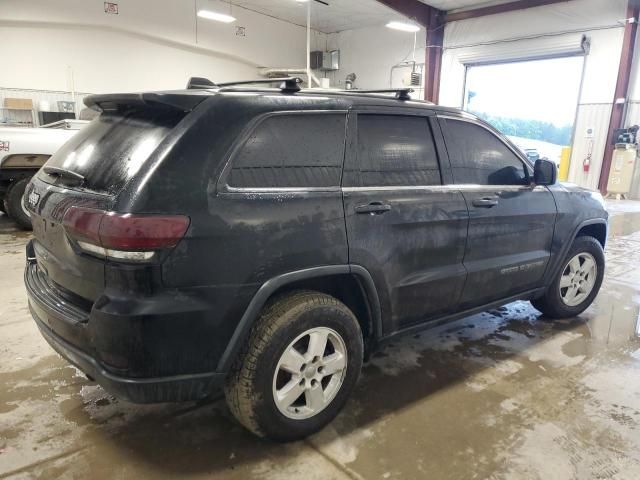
(557,302)
(14,205)
(285,355)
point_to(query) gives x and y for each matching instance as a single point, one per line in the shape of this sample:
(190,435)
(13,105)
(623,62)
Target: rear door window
(113,148)
(291,151)
(479,157)
(396,150)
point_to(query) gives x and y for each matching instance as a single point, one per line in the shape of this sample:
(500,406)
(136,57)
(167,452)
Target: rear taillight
(125,236)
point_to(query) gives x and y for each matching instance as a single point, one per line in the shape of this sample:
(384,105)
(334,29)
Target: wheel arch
(597,230)
(351,284)
(591,227)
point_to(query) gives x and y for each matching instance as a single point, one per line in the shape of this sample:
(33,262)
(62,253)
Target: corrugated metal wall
(593,116)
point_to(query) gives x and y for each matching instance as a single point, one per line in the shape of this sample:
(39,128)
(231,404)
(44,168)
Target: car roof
(187,99)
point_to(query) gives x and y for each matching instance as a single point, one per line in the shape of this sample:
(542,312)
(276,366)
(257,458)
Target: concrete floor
(503,394)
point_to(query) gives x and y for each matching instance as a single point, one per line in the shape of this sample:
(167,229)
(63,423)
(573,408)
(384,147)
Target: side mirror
(545,172)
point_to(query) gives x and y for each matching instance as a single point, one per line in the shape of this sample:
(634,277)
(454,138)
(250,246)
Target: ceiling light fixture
(405,27)
(218,17)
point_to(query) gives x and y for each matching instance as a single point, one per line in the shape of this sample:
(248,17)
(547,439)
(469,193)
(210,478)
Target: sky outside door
(533,102)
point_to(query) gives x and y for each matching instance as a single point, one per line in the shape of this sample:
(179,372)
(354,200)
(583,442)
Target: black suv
(264,240)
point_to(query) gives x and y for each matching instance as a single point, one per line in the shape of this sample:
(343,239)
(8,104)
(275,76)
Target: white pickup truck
(22,152)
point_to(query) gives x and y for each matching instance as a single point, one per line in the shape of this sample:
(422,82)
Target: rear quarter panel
(236,241)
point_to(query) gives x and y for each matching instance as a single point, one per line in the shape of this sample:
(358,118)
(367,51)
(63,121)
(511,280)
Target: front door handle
(373,208)
(485,202)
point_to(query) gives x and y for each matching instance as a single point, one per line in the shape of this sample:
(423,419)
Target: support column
(433,55)
(432,20)
(622,89)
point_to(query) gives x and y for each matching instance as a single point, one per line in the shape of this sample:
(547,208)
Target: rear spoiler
(182,101)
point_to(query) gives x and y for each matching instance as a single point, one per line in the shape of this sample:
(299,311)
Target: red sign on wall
(111,8)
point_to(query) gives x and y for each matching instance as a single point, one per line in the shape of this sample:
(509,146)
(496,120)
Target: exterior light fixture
(404,27)
(218,17)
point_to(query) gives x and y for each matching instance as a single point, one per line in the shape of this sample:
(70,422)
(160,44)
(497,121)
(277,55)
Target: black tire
(551,303)
(249,386)
(13,203)
(2,209)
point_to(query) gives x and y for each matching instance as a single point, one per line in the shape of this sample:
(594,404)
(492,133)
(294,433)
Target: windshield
(113,148)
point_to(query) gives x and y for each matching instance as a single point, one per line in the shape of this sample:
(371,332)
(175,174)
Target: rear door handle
(374,208)
(485,202)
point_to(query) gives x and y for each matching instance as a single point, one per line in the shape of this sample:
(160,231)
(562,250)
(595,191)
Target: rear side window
(396,150)
(114,147)
(291,151)
(479,157)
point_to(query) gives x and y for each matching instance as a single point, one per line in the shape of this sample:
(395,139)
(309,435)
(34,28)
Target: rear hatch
(90,171)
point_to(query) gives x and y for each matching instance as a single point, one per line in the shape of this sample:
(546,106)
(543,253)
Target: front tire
(578,282)
(14,205)
(298,367)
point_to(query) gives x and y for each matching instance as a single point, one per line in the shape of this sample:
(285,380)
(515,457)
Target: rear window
(113,148)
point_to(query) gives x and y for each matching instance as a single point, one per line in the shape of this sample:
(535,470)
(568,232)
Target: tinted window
(396,150)
(479,157)
(113,148)
(288,151)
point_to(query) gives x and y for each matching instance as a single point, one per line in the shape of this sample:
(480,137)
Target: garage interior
(505,393)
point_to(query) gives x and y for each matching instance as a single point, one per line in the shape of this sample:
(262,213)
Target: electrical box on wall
(327,61)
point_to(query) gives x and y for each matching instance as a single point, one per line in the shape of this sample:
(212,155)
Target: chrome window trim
(229,189)
(449,187)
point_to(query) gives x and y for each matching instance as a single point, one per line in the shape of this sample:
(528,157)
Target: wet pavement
(502,394)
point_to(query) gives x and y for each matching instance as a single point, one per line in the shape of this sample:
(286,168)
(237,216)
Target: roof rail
(200,82)
(288,84)
(400,93)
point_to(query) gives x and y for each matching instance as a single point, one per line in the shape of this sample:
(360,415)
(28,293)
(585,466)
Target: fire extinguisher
(586,163)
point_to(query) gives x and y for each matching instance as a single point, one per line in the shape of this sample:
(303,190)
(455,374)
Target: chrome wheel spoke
(290,392)
(570,295)
(588,265)
(317,344)
(315,398)
(574,264)
(292,361)
(565,281)
(333,363)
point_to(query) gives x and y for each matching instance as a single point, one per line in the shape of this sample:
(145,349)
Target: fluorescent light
(405,27)
(219,17)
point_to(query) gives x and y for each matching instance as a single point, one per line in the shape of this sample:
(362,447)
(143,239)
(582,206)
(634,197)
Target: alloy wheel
(310,373)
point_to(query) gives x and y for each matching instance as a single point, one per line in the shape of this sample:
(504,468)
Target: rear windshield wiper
(64,176)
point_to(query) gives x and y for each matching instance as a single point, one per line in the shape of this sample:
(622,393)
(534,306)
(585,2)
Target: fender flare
(565,249)
(241,333)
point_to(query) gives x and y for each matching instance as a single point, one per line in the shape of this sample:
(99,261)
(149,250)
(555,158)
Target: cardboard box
(18,103)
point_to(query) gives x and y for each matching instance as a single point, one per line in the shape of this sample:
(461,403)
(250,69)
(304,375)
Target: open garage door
(533,102)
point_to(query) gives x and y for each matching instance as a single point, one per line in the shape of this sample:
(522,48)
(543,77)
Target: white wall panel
(574,15)
(148,45)
(595,117)
(371,52)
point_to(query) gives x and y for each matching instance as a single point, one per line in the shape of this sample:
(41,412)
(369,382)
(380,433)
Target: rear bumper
(138,390)
(78,335)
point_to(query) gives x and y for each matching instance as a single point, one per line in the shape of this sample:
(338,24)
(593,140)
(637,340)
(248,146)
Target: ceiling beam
(432,20)
(502,8)
(622,89)
(413,9)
